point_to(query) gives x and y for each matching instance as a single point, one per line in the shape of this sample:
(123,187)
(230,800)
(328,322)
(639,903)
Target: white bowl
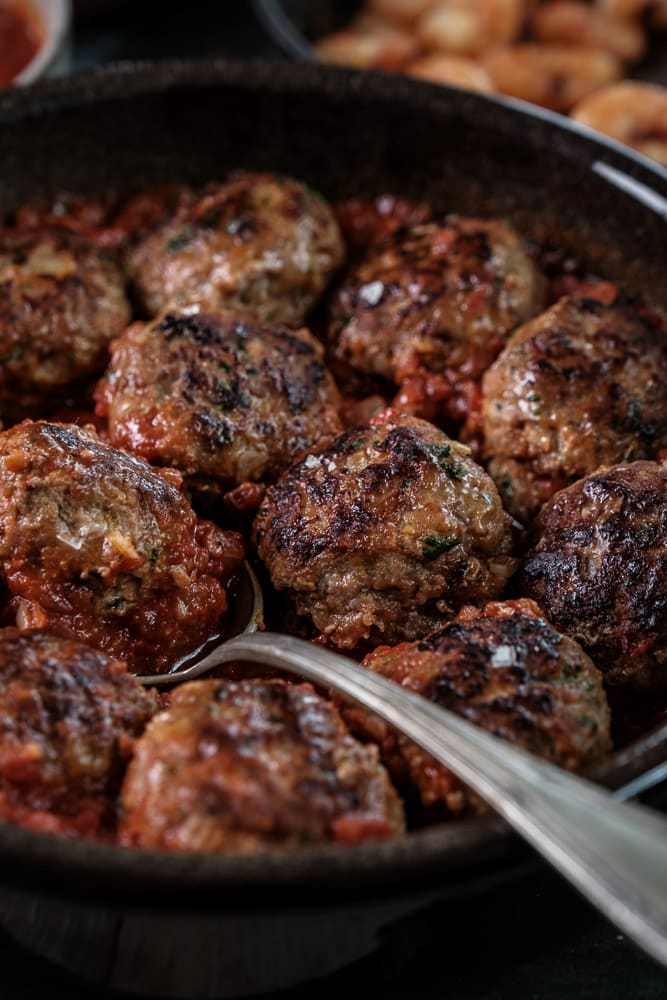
(50,58)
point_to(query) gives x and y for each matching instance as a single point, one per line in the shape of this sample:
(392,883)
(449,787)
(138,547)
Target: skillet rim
(422,859)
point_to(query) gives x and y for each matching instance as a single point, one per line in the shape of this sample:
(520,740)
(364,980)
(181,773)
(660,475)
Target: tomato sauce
(20,38)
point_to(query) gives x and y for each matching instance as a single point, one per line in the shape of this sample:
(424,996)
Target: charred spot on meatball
(260,243)
(386,534)
(69,717)
(598,568)
(62,300)
(506,670)
(583,385)
(435,302)
(250,765)
(96,544)
(223,399)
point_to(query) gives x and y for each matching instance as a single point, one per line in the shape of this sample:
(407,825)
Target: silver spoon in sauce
(614,852)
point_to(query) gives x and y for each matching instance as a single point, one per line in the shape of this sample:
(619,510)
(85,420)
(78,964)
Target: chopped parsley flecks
(440,451)
(435,545)
(451,466)
(180,240)
(454,469)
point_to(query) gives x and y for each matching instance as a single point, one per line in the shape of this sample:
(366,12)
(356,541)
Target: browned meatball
(242,766)
(438,298)
(504,669)
(96,544)
(223,399)
(598,568)
(68,720)
(364,220)
(581,386)
(260,243)
(385,534)
(62,300)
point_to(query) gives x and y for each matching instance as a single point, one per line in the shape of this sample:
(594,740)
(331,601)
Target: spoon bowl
(245,615)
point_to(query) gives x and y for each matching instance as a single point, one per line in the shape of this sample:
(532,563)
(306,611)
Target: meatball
(504,669)
(260,243)
(68,720)
(364,220)
(62,300)
(581,386)
(386,534)
(598,567)
(438,299)
(247,765)
(223,399)
(96,544)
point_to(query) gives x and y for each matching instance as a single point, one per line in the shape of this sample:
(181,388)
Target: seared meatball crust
(598,568)
(62,300)
(225,400)
(69,716)
(260,243)
(583,385)
(243,766)
(386,534)
(437,299)
(506,670)
(363,221)
(96,544)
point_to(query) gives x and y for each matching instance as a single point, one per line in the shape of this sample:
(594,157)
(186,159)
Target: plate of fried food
(600,61)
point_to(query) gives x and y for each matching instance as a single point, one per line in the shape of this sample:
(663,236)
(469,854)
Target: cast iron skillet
(227,926)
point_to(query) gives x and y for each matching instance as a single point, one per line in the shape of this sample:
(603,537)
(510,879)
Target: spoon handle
(615,853)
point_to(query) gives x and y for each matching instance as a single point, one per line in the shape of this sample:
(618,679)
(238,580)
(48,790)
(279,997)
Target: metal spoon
(615,853)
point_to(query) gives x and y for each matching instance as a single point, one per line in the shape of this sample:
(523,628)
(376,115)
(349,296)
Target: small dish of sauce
(21,37)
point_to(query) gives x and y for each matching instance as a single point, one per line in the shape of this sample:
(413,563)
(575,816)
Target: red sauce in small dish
(20,38)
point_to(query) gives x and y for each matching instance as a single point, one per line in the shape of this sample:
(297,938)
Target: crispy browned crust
(581,386)
(506,670)
(68,720)
(598,568)
(218,396)
(94,543)
(261,243)
(386,534)
(62,301)
(247,765)
(440,297)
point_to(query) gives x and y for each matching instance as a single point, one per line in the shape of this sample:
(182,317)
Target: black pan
(225,926)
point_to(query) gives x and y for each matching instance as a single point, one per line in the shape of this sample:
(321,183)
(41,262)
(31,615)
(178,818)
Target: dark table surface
(532,937)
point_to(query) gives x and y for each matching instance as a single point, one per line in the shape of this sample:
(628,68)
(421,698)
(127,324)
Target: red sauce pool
(20,38)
